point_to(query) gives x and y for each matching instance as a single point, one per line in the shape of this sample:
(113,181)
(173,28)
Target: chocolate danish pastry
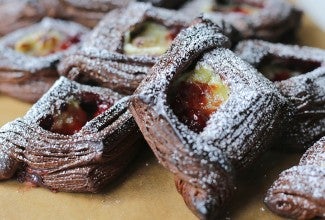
(264,19)
(299,191)
(16,14)
(123,47)
(299,74)
(76,138)
(28,56)
(206,113)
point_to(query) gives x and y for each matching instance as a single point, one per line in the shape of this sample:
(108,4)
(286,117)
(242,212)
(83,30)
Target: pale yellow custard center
(150,38)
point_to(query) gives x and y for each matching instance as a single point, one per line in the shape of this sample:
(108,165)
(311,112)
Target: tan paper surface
(147,190)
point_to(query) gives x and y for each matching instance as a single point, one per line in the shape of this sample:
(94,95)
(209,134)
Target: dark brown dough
(101,60)
(82,162)
(299,192)
(28,77)
(204,162)
(270,20)
(306,92)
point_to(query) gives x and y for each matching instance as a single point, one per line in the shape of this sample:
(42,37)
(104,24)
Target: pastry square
(123,47)
(28,56)
(299,74)
(206,114)
(76,138)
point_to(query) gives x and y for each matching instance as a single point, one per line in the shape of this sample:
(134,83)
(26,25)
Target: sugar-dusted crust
(16,14)
(306,92)
(82,162)
(204,163)
(273,21)
(27,77)
(101,59)
(299,192)
(86,12)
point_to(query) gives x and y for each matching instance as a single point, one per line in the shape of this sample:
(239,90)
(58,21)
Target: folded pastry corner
(28,56)
(123,47)
(264,19)
(299,192)
(76,138)
(206,113)
(299,74)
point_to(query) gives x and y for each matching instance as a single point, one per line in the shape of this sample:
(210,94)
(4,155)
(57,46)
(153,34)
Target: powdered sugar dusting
(82,162)
(299,191)
(104,62)
(22,69)
(306,92)
(205,161)
(269,22)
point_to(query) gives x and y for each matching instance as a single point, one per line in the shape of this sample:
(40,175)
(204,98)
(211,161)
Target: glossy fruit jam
(278,69)
(149,38)
(71,116)
(195,95)
(45,43)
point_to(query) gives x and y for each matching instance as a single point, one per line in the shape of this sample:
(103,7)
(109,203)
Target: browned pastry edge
(274,21)
(204,162)
(26,77)
(102,62)
(299,192)
(306,92)
(83,162)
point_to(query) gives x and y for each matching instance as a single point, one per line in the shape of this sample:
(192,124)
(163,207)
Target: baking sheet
(146,190)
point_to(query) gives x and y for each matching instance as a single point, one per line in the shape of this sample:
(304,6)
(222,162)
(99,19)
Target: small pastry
(206,113)
(299,192)
(16,14)
(299,74)
(123,47)
(88,13)
(28,56)
(264,19)
(76,138)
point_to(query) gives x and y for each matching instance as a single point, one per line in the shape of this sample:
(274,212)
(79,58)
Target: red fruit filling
(45,43)
(195,95)
(278,69)
(71,116)
(69,42)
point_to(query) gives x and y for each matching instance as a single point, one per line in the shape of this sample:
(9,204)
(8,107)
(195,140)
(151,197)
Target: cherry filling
(228,6)
(278,69)
(45,43)
(195,95)
(149,38)
(71,116)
